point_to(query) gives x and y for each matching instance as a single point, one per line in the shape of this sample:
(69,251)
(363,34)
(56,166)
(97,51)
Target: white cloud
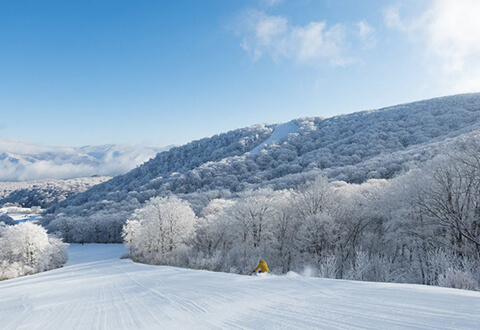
(366,33)
(21,161)
(273,36)
(272,3)
(269,28)
(315,41)
(449,31)
(365,29)
(392,18)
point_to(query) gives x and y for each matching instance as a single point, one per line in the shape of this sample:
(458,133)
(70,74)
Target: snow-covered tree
(26,249)
(211,228)
(156,232)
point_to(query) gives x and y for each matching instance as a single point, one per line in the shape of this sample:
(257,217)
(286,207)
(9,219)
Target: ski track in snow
(98,290)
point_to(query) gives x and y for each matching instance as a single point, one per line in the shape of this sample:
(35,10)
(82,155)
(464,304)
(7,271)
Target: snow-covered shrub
(26,248)
(328,267)
(382,269)
(360,268)
(472,265)
(212,262)
(438,262)
(458,279)
(448,269)
(56,254)
(10,270)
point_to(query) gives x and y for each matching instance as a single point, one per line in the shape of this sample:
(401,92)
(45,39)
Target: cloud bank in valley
(22,161)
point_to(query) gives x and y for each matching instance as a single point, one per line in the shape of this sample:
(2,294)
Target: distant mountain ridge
(23,161)
(353,148)
(44,193)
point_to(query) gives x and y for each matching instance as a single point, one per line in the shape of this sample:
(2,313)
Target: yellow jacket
(262,266)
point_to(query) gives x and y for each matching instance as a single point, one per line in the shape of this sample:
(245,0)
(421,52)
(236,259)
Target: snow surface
(279,134)
(21,214)
(97,290)
(25,217)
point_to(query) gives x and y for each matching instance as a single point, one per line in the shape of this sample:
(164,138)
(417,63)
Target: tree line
(421,227)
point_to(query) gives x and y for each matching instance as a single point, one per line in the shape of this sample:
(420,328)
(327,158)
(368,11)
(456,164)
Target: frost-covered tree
(27,249)
(452,201)
(251,222)
(156,232)
(211,229)
(286,231)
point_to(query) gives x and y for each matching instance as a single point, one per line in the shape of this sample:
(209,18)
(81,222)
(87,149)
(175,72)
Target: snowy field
(97,290)
(22,214)
(280,133)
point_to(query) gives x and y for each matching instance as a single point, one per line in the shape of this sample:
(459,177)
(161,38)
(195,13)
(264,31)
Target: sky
(157,73)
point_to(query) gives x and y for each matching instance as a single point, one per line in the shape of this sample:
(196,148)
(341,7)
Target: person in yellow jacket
(262,267)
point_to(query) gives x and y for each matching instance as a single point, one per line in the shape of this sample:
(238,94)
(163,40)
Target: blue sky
(74,73)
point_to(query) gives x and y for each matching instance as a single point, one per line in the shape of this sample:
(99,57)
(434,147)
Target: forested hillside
(44,193)
(351,148)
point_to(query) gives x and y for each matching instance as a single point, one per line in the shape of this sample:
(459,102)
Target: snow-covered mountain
(23,161)
(353,148)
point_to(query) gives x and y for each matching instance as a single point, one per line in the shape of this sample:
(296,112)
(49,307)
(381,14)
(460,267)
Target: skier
(262,267)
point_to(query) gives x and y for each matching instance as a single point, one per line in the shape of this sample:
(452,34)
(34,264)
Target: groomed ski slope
(97,290)
(280,133)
